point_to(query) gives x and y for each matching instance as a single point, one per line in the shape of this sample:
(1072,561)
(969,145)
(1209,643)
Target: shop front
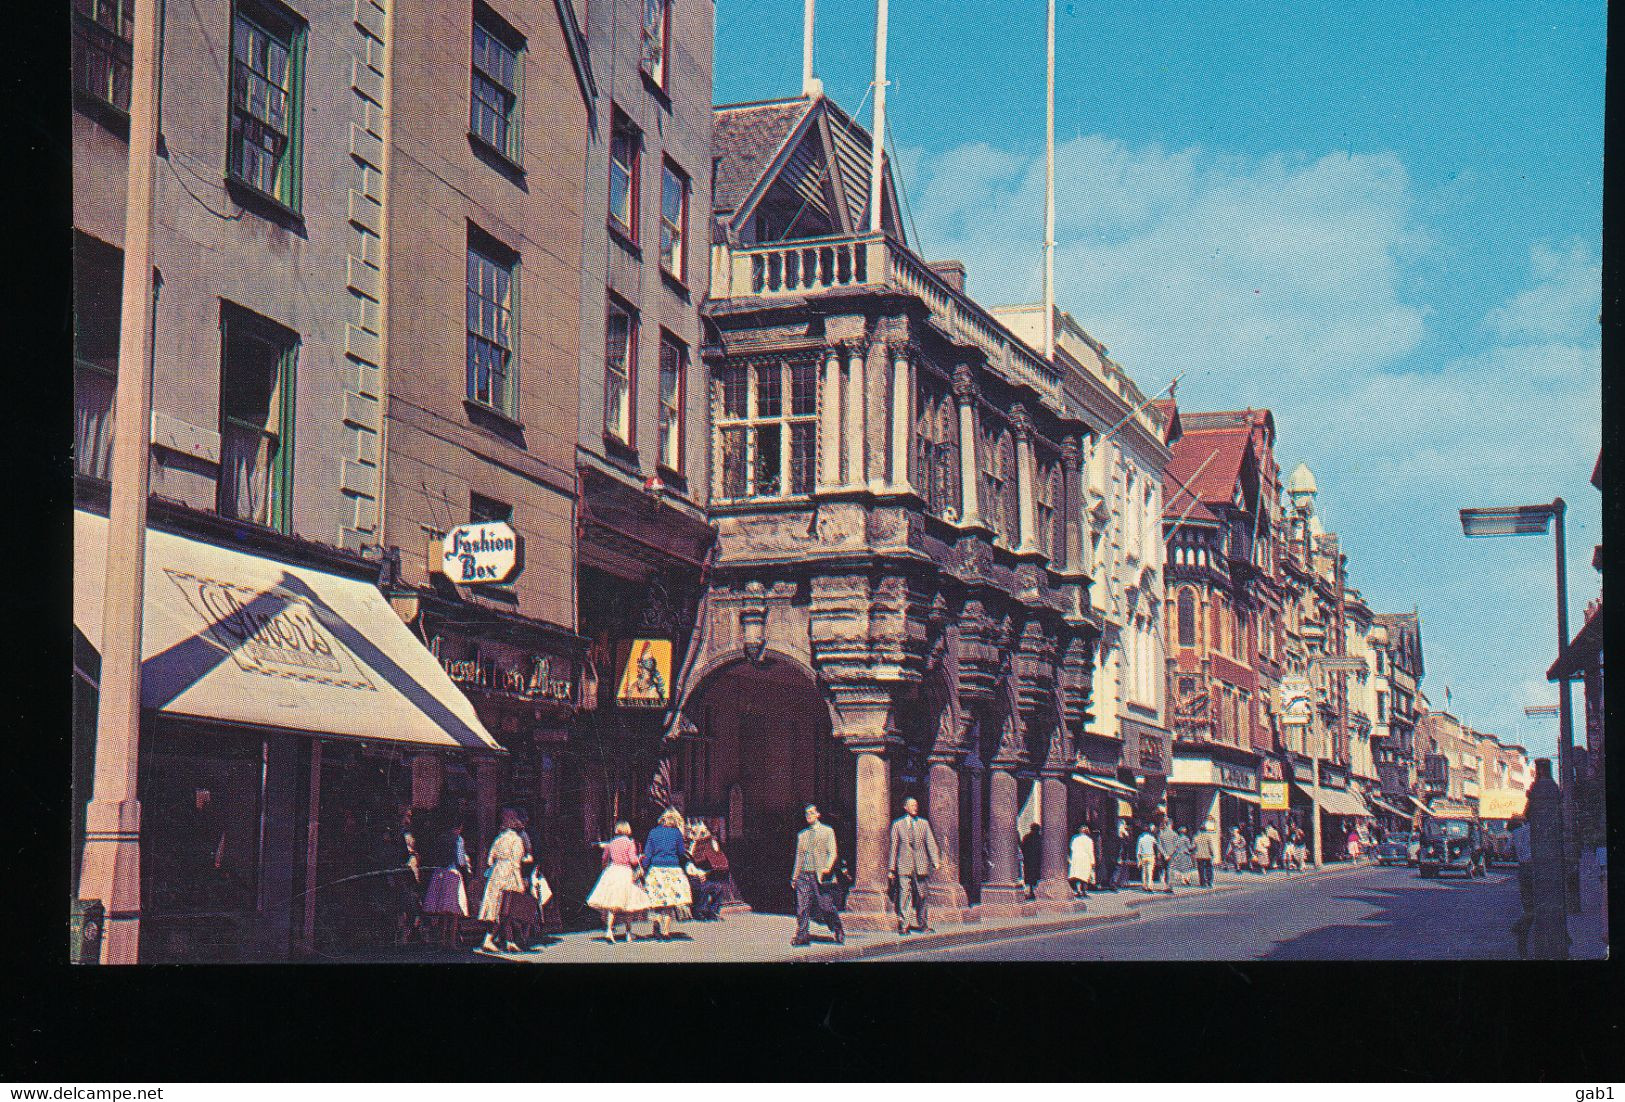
(1342,812)
(284,709)
(1215,784)
(1148,756)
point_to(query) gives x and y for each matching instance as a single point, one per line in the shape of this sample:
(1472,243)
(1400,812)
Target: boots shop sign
(480,554)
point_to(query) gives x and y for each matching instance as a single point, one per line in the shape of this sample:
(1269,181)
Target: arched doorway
(761,750)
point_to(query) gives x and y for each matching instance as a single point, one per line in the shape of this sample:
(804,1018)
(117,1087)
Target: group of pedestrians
(677,875)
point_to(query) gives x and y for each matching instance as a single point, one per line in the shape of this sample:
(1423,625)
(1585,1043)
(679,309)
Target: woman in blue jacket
(664,854)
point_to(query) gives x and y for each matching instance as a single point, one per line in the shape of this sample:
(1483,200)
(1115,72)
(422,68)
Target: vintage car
(1453,845)
(1498,848)
(1398,848)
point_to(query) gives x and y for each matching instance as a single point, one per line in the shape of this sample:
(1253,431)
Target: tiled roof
(1207,461)
(745,139)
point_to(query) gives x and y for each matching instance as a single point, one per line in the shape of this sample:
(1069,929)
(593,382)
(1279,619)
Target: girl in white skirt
(617,893)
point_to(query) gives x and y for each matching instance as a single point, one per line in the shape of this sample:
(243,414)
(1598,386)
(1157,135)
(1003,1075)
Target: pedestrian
(1518,828)
(1207,851)
(708,873)
(1080,861)
(1353,844)
(1261,852)
(1116,845)
(1032,858)
(1298,847)
(1167,846)
(445,901)
(1145,850)
(501,904)
(913,859)
(664,881)
(814,864)
(1275,847)
(618,895)
(1182,862)
(1238,848)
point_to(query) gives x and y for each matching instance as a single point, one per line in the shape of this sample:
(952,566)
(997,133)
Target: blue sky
(1383,222)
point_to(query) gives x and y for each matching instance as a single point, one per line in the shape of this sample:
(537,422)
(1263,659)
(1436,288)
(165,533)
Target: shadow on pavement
(1425,920)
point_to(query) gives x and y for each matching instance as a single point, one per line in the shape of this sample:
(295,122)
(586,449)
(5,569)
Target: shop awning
(1241,794)
(1336,801)
(1107,784)
(238,638)
(1383,805)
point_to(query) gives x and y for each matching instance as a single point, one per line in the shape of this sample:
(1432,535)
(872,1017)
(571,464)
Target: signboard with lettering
(645,680)
(480,554)
(1274,796)
(500,668)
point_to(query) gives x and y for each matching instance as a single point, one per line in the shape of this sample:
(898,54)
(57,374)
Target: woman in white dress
(617,894)
(1080,866)
(506,860)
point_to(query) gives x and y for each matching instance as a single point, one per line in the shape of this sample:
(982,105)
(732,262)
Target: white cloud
(1564,298)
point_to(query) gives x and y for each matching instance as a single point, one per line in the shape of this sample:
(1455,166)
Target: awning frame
(1107,784)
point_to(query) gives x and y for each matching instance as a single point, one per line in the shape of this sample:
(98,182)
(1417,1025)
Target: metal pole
(809,84)
(111,868)
(876,164)
(1565,721)
(1049,189)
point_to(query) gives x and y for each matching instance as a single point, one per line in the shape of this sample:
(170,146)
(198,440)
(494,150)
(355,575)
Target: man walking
(1207,851)
(815,861)
(1518,828)
(1145,850)
(913,859)
(1167,846)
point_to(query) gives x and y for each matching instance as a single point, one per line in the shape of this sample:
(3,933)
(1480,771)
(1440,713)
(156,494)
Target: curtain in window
(93,423)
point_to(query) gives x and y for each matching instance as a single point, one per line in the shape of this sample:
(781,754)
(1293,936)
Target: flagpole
(1049,186)
(110,871)
(878,139)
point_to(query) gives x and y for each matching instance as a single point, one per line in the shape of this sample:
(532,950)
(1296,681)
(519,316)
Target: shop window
(625,151)
(496,85)
(493,330)
(767,428)
(98,276)
(258,358)
(673,221)
(264,145)
(673,378)
(620,372)
(1187,618)
(103,49)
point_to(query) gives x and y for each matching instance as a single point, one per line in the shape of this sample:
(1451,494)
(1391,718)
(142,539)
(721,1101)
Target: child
(617,893)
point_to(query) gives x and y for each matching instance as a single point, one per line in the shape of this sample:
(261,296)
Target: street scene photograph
(580,482)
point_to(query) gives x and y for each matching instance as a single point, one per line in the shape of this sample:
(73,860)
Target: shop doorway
(763,750)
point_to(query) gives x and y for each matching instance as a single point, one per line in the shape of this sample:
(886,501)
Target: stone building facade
(1226,629)
(898,603)
(1396,638)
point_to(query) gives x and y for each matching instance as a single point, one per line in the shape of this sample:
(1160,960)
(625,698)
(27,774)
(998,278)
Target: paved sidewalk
(1588,930)
(761,938)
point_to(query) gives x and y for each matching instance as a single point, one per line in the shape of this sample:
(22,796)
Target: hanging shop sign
(480,554)
(1274,796)
(645,680)
(1201,770)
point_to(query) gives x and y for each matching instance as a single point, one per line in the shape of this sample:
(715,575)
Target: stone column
(902,417)
(1054,892)
(867,903)
(856,396)
(964,398)
(1073,502)
(1002,893)
(829,422)
(1026,510)
(945,892)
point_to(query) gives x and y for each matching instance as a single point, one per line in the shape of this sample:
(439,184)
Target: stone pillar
(1002,893)
(965,399)
(829,422)
(1073,503)
(945,891)
(1054,892)
(428,778)
(868,905)
(902,417)
(1549,935)
(856,396)
(1026,504)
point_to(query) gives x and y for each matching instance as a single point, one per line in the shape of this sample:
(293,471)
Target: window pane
(768,466)
(733,462)
(769,399)
(733,380)
(803,456)
(804,389)
(93,422)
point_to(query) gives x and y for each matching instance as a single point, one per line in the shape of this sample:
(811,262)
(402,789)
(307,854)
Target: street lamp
(1536,520)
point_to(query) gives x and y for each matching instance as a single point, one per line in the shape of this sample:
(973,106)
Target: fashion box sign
(479,554)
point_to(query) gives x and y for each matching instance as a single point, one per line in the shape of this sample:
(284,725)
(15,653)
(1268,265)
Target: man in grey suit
(913,859)
(815,861)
